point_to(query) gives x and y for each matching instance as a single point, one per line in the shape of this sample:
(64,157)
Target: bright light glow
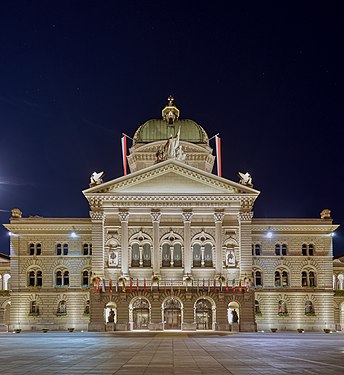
(73,235)
(332,234)
(269,234)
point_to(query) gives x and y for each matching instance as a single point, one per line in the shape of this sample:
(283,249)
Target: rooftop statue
(96,178)
(245,179)
(171,150)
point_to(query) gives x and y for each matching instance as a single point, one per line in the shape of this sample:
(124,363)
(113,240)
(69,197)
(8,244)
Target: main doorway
(203,314)
(172,314)
(140,314)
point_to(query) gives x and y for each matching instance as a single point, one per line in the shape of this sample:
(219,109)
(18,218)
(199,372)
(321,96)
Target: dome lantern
(170,113)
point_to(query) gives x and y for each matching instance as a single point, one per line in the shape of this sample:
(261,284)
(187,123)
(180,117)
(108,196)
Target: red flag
(227,289)
(218,155)
(131,285)
(233,289)
(124,153)
(96,284)
(144,285)
(110,286)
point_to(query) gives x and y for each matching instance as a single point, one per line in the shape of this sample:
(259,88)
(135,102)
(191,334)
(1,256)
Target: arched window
(208,255)
(85,279)
(277,249)
(285,279)
(256,249)
(87,249)
(308,278)
(58,278)
(135,255)
(281,279)
(32,249)
(61,278)
(177,255)
(309,308)
(35,248)
(304,249)
(257,308)
(34,278)
(196,255)
(146,255)
(284,249)
(307,249)
(258,282)
(166,255)
(65,249)
(38,249)
(58,249)
(278,279)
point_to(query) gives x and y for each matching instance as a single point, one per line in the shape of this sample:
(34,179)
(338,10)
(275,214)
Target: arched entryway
(172,314)
(140,313)
(233,312)
(203,314)
(110,312)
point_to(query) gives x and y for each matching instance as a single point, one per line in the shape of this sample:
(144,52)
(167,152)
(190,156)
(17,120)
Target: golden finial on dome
(170,113)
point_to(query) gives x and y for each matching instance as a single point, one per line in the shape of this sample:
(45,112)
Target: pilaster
(97,243)
(218,218)
(156,216)
(245,239)
(187,217)
(124,218)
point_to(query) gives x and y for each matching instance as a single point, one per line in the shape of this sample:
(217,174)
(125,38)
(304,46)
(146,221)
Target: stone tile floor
(171,353)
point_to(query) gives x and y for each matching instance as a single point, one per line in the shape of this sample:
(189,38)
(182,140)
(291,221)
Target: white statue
(171,146)
(96,178)
(245,179)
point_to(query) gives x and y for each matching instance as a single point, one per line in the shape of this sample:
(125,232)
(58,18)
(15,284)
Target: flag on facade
(214,285)
(123,285)
(208,286)
(96,284)
(110,286)
(227,289)
(144,285)
(131,285)
(218,155)
(137,285)
(124,153)
(103,285)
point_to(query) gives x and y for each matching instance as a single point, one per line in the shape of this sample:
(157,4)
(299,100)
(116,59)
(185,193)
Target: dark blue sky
(267,76)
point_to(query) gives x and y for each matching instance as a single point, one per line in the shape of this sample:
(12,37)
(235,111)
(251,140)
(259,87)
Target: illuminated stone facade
(171,246)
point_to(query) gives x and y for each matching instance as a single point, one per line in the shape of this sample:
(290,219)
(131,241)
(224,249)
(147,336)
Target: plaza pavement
(171,353)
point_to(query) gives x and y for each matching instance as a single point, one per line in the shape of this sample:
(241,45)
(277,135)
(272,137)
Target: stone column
(218,217)
(245,240)
(97,243)
(187,216)
(156,215)
(124,217)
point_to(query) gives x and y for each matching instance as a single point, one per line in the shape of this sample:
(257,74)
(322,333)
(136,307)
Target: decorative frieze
(97,215)
(245,216)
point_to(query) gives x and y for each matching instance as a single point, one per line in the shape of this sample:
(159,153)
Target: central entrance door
(172,314)
(203,314)
(140,314)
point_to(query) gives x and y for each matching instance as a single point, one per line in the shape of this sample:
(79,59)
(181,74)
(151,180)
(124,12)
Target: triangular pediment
(169,177)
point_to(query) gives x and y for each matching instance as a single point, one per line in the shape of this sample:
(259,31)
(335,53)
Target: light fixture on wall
(73,233)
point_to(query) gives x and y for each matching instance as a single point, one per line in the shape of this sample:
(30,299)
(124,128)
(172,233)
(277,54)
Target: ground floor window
(141,313)
(203,312)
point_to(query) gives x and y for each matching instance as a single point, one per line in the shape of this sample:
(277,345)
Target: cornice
(294,228)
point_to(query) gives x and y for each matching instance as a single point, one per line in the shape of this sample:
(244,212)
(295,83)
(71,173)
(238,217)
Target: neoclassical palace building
(171,245)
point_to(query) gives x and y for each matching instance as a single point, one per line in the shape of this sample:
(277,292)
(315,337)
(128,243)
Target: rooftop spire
(170,113)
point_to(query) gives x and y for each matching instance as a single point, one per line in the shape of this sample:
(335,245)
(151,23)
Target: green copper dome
(160,130)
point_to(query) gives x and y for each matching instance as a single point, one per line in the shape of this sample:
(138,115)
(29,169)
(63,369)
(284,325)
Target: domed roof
(159,130)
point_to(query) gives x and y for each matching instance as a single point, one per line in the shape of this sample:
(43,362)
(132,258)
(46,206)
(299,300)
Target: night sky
(267,76)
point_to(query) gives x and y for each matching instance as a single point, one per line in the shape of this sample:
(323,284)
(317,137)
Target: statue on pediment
(245,179)
(96,178)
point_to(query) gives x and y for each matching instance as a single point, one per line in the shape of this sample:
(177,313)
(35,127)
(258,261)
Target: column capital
(187,216)
(218,216)
(156,216)
(245,216)
(97,215)
(123,216)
